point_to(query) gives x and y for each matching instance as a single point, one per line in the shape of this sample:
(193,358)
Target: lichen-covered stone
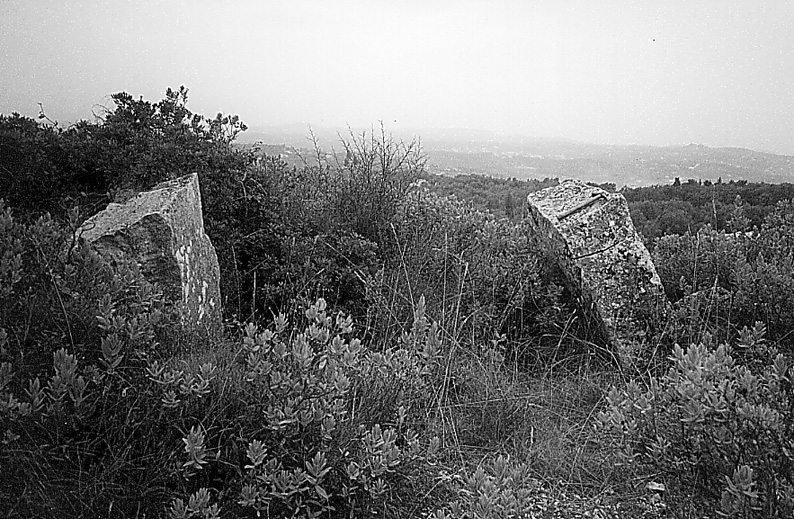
(163,231)
(589,234)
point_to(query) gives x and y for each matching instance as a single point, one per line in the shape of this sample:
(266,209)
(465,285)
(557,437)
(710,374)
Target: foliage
(132,146)
(692,262)
(335,433)
(368,186)
(287,422)
(716,425)
(480,279)
(656,210)
(143,143)
(501,196)
(689,206)
(500,488)
(324,229)
(723,281)
(58,290)
(75,331)
(46,168)
(104,407)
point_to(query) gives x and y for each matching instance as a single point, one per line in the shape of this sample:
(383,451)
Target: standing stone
(588,233)
(163,231)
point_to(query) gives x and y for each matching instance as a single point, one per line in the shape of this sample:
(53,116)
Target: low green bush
(500,488)
(692,262)
(718,425)
(326,427)
(98,417)
(720,282)
(75,335)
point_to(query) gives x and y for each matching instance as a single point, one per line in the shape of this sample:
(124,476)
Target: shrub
(258,212)
(57,291)
(325,425)
(44,166)
(75,333)
(477,272)
(315,231)
(131,147)
(96,417)
(499,488)
(296,269)
(364,190)
(692,262)
(712,425)
(720,282)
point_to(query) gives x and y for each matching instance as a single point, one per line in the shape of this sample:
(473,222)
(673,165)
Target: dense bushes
(502,197)
(689,206)
(58,292)
(133,145)
(723,281)
(715,428)
(324,229)
(258,212)
(476,271)
(320,424)
(75,333)
(105,408)
(98,418)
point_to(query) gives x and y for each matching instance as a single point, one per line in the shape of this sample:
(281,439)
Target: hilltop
(387,350)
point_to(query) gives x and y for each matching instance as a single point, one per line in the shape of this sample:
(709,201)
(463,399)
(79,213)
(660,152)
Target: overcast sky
(718,72)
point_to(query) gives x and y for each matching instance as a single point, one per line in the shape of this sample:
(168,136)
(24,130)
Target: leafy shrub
(314,231)
(500,488)
(716,426)
(692,262)
(44,167)
(132,146)
(721,281)
(56,290)
(75,332)
(94,416)
(325,425)
(364,190)
(258,212)
(142,143)
(296,269)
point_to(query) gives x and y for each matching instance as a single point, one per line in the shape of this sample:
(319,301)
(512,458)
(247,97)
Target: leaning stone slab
(588,233)
(163,231)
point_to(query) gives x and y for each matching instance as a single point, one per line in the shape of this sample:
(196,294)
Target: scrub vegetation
(393,346)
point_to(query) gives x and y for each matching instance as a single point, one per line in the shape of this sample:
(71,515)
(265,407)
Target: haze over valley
(460,151)
(534,81)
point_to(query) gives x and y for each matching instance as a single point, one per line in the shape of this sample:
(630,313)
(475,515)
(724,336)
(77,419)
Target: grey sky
(719,73)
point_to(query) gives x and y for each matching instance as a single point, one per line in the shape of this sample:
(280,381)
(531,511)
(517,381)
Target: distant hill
(461,151)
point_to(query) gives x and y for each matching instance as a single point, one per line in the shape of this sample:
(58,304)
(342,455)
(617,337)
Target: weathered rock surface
(163,231)
(589,234)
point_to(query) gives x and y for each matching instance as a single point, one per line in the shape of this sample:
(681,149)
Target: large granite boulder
(588,234)
(163,231)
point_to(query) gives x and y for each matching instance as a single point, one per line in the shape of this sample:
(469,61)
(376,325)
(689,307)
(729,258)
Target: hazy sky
(718,72)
